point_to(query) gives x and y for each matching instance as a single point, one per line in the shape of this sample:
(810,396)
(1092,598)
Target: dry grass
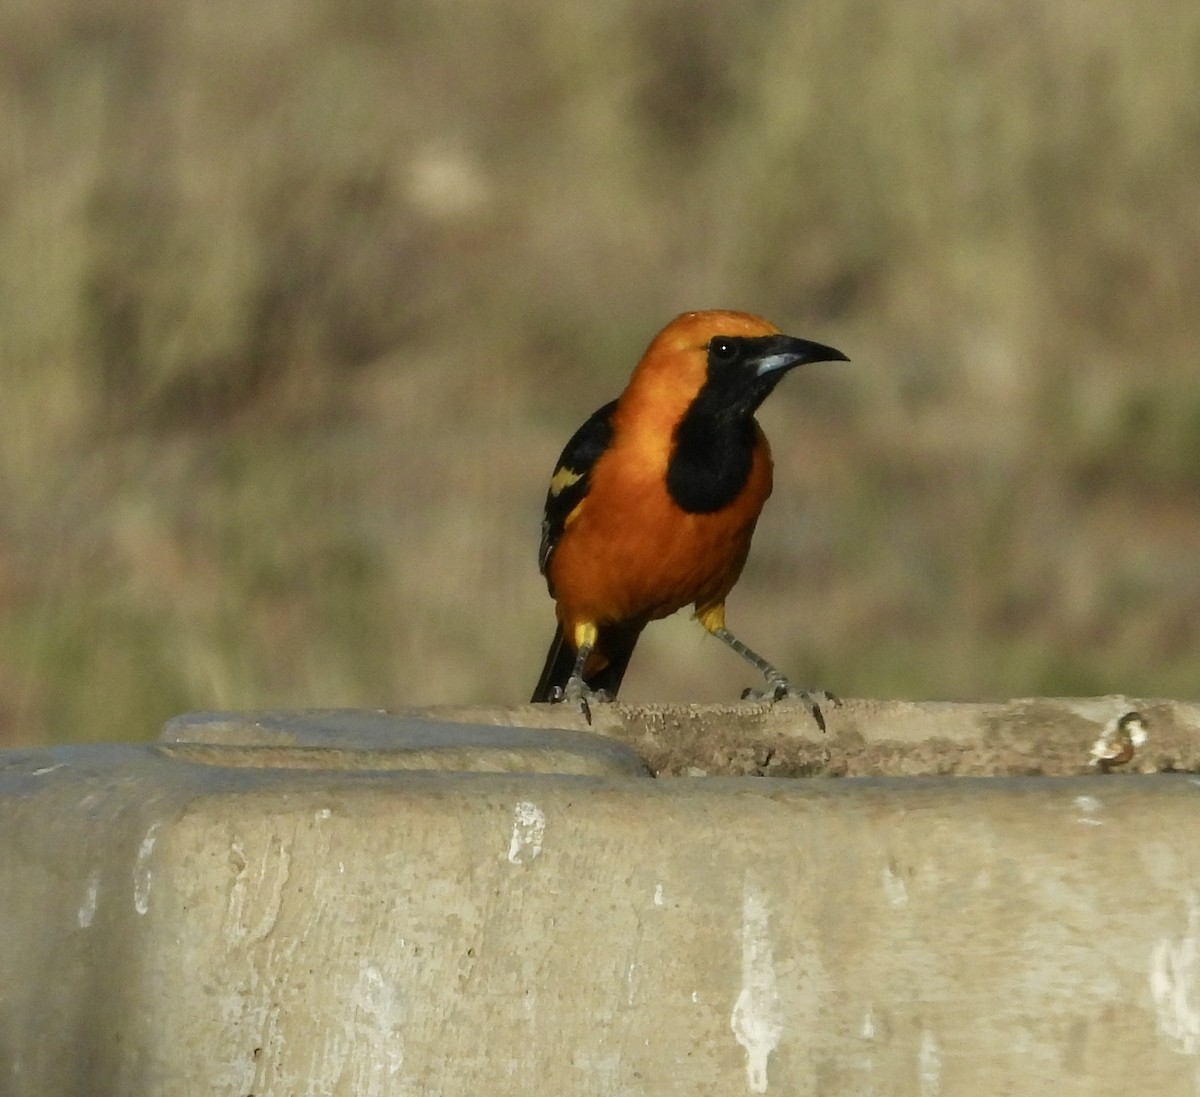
(298,302)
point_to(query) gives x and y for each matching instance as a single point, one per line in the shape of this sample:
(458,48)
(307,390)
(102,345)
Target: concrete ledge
(369,740)
(1027,737)
(222,926)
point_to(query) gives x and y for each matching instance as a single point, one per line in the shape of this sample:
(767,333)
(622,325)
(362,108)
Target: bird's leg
(777,687)
(577,691)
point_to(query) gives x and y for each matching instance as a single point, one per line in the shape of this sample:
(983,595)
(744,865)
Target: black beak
(782,352)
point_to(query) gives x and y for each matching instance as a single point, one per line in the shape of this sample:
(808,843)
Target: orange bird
(653,502)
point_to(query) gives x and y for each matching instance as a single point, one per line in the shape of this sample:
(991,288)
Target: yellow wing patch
(563,478)
(574,513)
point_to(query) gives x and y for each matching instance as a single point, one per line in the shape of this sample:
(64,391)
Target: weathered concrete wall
(248,909)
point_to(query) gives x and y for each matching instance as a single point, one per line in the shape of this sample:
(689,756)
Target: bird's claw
(577,692)
(779,689)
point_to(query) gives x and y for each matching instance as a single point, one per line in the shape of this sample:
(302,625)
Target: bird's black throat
(711,459)
(713,446)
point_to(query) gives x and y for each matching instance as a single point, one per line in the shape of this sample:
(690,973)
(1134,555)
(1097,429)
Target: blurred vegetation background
(299,301)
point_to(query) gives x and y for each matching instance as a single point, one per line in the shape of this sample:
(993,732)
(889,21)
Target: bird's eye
(722,349)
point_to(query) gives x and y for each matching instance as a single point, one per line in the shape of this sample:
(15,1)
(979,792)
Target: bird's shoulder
(572,477)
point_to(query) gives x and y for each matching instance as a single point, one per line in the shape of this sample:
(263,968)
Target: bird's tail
(560,661)
(616,643)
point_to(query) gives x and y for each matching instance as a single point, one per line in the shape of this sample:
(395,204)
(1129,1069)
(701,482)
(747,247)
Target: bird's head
(730,360)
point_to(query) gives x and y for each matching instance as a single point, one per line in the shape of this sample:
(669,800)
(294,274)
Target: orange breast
(628,553)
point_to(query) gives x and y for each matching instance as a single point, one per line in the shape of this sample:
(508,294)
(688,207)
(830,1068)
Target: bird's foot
(779,688)
(577,692)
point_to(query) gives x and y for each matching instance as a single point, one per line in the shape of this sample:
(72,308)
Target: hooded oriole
(653,502)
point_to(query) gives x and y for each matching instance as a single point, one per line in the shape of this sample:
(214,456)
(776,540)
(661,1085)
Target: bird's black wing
(572,478)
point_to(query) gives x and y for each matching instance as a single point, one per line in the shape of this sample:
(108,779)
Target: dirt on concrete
(868,738)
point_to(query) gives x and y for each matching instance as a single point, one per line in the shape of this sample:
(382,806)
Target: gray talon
(779,689)
(576,692)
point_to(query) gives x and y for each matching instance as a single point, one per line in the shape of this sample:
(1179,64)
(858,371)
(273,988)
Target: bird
(653,503)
